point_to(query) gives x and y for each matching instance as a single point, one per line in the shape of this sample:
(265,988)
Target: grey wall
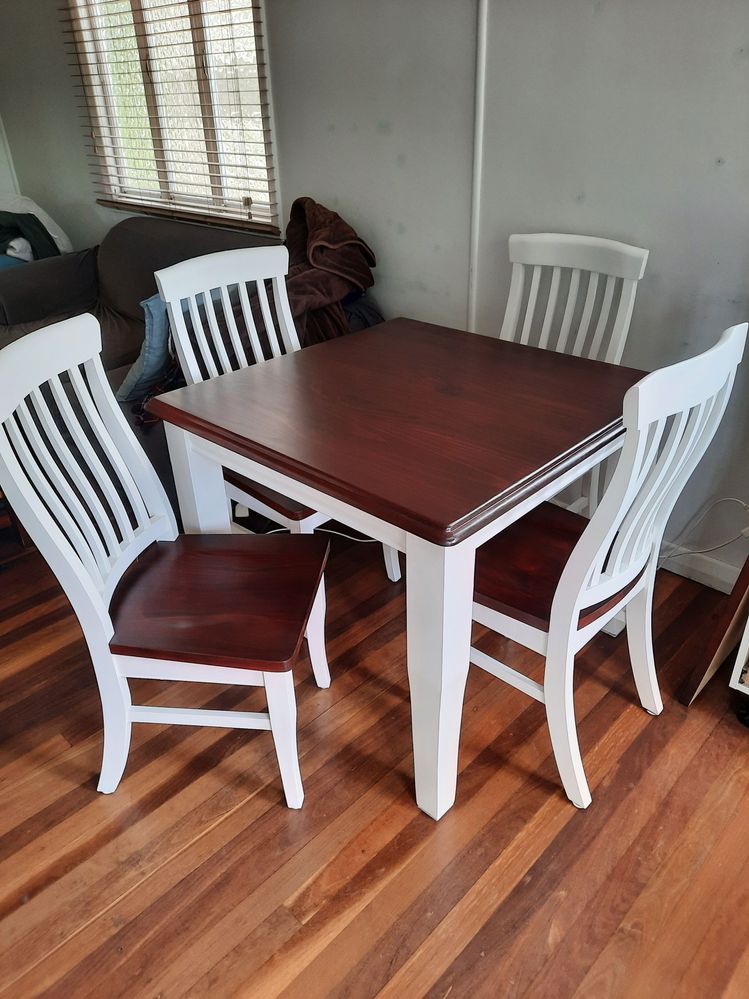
(626,118)
(39,107)
(374,117)
(630,119)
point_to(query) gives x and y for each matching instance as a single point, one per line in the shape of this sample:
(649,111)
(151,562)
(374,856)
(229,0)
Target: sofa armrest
(55,286)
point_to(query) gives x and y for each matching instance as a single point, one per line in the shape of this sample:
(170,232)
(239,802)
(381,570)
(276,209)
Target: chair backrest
(215,304)
(572,294)
(71,467)
(670,417)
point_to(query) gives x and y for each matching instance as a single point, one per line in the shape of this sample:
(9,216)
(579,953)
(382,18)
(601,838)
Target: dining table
(428,439)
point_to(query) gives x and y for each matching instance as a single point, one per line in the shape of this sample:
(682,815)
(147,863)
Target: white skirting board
(702,568)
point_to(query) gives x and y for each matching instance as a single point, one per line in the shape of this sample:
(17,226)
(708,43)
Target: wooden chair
(553,580)
(217,609)
(580,295)
(575,295)
(215,332)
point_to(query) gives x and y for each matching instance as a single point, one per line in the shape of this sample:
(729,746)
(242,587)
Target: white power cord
(326,530)
(713,548)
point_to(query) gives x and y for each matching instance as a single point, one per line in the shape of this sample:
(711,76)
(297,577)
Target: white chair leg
(115,706)
(615,626)
(315,635)
(300,527)
(560,715)
(392,563)
(279,690)
(639,613)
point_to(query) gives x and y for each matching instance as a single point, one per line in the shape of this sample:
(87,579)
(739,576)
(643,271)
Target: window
(179,107)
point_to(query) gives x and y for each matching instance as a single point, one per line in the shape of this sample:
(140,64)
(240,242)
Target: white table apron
(439,582)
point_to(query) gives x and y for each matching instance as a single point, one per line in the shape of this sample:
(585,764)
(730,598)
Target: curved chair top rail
(685,384)
(215,270)
(585,253)
(37,357)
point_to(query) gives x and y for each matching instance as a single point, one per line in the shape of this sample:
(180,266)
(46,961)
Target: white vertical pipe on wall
(482,31)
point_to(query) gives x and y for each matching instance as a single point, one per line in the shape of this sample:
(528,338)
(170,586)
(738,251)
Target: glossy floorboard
(194,879)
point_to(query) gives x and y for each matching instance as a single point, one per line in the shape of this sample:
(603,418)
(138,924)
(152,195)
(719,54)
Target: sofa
(110,281)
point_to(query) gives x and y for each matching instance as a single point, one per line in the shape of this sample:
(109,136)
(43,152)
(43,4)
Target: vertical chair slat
(249,319)
(622,320)
(663,439)
(181,336)
(582,330)
(231,324)
(603,318)
(73,466)
(569,311)
(690,439)
(285,318)
(82,442)
(514,299)
(106,443)
(270,328)
(551,307)
(60,483)
(530,306)
(199,334)
(122,436)
(218,340)
(51,500)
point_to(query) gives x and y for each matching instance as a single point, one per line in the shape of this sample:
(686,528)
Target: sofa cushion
(121,336)
(116,376)
(135,248)
(45,290)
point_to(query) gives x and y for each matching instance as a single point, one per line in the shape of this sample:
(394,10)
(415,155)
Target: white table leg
(200,486)
(439,599)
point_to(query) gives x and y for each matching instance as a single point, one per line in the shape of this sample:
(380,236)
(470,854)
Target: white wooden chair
(215,332)
(572,294)
(575,295)
(227,609)
(553,580)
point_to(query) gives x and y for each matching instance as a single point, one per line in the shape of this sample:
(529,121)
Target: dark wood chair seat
(276,501)
(518,571)
(222,600)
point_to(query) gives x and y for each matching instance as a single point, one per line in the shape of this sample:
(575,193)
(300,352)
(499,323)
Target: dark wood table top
(425,427)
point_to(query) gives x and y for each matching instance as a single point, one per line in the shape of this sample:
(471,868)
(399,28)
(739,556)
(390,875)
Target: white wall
(374,117)
(39,106)
(630,119)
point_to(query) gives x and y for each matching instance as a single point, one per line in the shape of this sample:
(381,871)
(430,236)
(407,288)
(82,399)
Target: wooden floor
(194,879)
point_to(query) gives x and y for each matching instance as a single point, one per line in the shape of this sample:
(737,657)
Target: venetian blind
(178,105)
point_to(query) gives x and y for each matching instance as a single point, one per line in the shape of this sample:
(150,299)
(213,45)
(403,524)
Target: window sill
(185,215)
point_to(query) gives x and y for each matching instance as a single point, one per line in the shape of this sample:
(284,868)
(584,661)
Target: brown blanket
(327,262)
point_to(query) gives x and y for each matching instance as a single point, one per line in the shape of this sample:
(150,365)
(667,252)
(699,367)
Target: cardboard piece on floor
(724,633)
